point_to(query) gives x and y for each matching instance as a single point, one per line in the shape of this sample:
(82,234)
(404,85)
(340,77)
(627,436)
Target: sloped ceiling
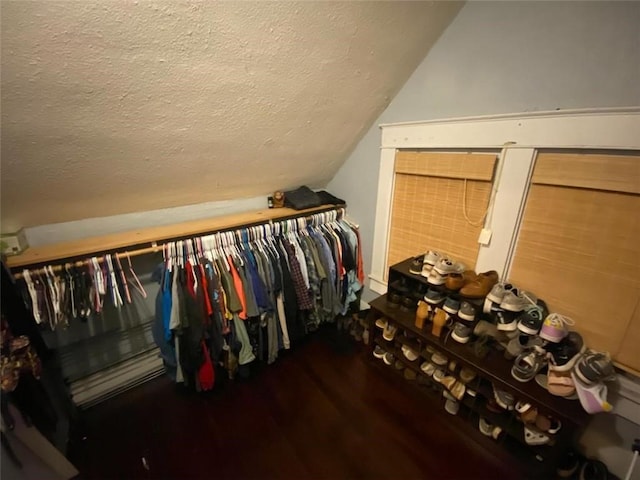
(111,107)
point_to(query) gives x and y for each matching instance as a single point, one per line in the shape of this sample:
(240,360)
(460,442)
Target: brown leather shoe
(455,281)
(481,285)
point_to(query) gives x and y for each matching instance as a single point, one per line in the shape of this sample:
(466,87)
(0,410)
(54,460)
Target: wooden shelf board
(147,236)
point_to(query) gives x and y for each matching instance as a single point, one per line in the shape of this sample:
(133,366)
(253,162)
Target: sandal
(535,437)
(528,364)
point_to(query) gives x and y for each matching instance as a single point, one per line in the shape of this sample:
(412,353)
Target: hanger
(54,293)
(32,295)
(72,290)
(136,281)
(123,277)
(113,282)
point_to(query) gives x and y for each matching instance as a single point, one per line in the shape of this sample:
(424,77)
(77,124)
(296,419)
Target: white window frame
(518,136)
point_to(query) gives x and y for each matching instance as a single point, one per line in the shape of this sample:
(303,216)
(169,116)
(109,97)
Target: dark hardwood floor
(318,412)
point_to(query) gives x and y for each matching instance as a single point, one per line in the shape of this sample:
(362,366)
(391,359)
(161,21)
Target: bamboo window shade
(428,201)
(579,247)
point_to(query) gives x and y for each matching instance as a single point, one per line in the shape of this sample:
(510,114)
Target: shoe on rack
(439,359)
(389,358)
(564,355)
(455,281)
(452,366)
(439,320)
(594,367)
(452,407)
(530,320)
(408,304)
(520,343)
(379,352)
(554,328)
(481,286)
(409,353)
(432,257)
(448,381)
(435,278)
(467,375)
(485,427)
(467,311)
(393,299)
(532,436)
(484,328)
(428,368)
(439,374)
(505,399)
(451,306)
(399,365)
(505,321)
(416,265)
(461,333)
(445,266)
(389,332)
(516,300)
(381,323)
(558,383)
(496,432)
(548,424)
(434,296)
(489,307)
(498,292)
(456,388)
(528,364)
(593,397)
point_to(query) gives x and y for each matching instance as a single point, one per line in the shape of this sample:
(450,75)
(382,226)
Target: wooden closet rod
(115,243)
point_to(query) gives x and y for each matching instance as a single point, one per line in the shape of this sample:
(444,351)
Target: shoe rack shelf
(492,369)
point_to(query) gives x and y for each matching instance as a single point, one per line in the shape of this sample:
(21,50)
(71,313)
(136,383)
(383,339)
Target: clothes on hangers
(255,291)
(258,293)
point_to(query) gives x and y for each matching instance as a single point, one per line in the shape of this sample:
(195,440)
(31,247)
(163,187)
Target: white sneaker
(428,368)
(432,257)
(498,292)
(516,300)
(435,278)
(445,266)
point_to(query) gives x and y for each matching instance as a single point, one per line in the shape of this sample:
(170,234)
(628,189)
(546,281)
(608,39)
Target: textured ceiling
(112,107)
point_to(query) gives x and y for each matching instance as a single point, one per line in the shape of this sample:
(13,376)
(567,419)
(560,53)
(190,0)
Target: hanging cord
(494,190)
(480,222)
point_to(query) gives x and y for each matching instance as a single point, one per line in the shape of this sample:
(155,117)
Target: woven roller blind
(428,201)
(579,249)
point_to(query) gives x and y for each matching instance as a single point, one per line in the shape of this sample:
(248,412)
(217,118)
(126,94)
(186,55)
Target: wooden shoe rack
(492,369)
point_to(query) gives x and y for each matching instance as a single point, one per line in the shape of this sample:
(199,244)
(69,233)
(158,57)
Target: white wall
(505,58)
(499,57)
